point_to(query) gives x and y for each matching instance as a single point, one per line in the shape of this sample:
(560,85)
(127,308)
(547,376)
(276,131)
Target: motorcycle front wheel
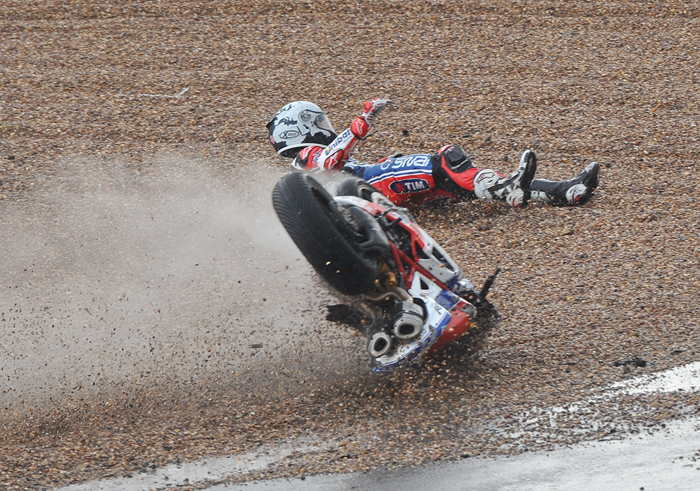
(341,244)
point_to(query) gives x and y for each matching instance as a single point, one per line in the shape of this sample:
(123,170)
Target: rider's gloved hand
(370,110)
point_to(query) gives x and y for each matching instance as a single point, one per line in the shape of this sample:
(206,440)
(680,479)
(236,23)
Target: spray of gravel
(161,283)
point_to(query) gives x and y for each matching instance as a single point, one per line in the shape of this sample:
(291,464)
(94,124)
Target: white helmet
(297,125)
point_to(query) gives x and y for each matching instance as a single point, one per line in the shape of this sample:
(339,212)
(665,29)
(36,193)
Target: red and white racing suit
(409,180)
(448,175)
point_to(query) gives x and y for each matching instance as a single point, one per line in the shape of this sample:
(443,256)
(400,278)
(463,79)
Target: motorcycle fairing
(430,256)
(448,316)
(460,323)
(422,285)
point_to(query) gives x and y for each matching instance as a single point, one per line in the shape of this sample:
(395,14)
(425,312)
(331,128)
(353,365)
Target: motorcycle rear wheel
(325,235)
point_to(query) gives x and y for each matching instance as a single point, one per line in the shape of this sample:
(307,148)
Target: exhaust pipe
(408,320)
(396,293)
(379,343)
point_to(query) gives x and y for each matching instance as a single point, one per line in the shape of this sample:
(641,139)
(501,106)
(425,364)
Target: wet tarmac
(667,460)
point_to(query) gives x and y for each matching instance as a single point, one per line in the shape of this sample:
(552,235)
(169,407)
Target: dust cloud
(164,281)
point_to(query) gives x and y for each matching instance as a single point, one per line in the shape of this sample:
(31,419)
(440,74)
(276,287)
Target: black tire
(355,186)
(339,242)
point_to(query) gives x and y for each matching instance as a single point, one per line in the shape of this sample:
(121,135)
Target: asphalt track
(660,461)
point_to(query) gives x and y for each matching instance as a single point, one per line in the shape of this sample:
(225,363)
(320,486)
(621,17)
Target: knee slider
(453,158)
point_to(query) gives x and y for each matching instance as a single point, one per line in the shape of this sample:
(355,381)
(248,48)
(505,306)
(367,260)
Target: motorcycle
(413,297)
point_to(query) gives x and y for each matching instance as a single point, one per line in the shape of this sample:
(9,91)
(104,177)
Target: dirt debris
(581,290)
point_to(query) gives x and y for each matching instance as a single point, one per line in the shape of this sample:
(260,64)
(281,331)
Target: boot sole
(593,177)
(528,176)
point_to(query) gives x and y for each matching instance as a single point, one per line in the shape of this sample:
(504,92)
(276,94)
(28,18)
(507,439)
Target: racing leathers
(447,176)
(413,180)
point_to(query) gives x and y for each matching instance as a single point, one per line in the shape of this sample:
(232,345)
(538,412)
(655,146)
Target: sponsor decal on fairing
(447,299)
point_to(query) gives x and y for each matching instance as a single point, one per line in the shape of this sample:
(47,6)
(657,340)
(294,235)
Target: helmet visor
(317,119)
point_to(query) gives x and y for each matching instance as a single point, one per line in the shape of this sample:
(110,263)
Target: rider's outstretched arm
(335,155)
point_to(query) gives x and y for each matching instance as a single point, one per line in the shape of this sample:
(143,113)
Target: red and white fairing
(433,280)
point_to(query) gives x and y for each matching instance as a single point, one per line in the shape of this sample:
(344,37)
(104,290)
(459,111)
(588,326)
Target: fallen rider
(302,131)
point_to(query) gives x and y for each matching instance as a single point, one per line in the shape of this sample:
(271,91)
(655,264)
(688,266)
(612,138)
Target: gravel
(586,293)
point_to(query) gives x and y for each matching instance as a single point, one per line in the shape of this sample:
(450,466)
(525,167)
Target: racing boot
(514,189)
(573,192)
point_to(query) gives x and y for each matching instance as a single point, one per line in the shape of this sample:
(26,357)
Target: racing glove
(370,110)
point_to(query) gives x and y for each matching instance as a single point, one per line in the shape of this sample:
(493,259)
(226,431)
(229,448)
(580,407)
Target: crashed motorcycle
(414,298)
